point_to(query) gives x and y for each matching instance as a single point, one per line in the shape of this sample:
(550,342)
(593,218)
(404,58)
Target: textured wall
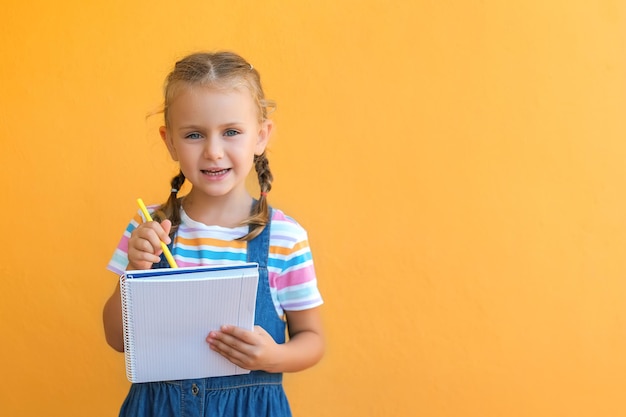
(459,165)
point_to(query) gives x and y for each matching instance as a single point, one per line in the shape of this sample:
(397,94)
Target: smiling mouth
(215,172)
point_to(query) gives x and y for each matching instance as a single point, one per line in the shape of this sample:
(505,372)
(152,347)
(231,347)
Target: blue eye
(194,135)
(231,132)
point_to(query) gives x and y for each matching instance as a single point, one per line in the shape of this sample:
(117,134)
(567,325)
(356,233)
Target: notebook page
(171,318)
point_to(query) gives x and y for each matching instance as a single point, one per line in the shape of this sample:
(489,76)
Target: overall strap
(259,247)
(265,314)
(163,262)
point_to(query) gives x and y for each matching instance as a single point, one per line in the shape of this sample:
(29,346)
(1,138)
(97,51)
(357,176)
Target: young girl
(217,128)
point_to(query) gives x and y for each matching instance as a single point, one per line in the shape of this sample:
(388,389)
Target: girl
(217,129)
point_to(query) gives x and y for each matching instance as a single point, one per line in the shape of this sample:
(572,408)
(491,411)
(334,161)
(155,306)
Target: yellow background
(460,166)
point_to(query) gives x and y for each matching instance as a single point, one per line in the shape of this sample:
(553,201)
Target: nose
(213,149)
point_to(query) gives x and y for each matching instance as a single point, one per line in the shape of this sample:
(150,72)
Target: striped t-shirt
(292,279)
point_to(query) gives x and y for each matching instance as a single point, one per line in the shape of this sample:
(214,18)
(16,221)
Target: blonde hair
(219,70)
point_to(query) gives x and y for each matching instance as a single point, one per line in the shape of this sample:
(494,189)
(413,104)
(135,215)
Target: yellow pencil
(166,251)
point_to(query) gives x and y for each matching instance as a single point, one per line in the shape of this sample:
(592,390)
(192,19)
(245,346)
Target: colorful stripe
(292,278)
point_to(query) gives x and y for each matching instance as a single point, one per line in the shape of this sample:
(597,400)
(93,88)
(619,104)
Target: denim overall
(255,394)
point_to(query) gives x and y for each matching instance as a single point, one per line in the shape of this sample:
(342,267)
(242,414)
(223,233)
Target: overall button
(194,389)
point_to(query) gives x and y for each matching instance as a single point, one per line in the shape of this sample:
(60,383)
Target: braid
(262,167)
(171,208)
(259,217)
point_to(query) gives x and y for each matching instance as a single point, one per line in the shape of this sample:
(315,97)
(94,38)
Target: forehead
(223,85)
(210,104)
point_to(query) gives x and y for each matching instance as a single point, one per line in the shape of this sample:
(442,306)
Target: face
(214,135)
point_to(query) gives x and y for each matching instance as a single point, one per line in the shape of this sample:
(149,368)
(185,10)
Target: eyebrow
(199,127)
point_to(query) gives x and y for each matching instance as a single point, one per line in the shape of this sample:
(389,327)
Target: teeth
(220,172)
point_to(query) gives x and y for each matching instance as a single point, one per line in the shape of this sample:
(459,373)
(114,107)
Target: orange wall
(460,167)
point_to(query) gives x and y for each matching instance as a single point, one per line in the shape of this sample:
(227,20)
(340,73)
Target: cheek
(186,155)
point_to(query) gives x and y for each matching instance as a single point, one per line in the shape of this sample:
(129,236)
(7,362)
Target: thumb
(167,226)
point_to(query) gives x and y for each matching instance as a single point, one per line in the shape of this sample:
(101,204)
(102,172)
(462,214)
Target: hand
(144,245)
(253,350)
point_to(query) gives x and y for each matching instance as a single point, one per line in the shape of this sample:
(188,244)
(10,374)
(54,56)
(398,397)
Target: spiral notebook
(168,313)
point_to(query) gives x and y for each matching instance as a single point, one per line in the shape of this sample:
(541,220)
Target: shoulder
(286,227)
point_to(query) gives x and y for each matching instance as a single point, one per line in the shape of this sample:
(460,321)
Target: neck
(217,211)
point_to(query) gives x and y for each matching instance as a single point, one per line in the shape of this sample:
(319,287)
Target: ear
(168,142)
(264,136)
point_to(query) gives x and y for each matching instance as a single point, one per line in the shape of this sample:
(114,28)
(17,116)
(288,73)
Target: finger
(137,255)
(238,333)
(141,250)
(167,227)
(230,354)
(151,232)
(228,350)
(241,359)
(225,341)
(162,231)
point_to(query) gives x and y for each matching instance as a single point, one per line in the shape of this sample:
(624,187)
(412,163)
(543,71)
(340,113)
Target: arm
(306,343)
(144,248)
(257,350)
(112,319)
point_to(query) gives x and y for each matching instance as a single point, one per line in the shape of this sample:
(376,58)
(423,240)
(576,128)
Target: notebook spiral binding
(128,330)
